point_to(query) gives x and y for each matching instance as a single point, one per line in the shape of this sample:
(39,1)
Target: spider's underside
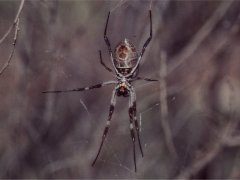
(125,61)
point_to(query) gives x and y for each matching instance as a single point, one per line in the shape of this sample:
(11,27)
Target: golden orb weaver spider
(125,61)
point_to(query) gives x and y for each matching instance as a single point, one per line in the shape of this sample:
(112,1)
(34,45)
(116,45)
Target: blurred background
(189,119)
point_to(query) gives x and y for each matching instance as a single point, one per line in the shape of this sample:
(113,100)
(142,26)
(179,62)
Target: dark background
(55,136)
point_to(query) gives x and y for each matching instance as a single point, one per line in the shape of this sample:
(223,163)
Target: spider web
(57,136)
(113,158)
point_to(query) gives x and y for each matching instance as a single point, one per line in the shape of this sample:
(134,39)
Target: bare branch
(16,25)
(224,139)
(13,49)
(14,22)
(150,5)
(200,36)
(164,106)
(208,156)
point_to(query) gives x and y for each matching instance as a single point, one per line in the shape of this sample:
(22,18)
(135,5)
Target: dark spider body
(125,61)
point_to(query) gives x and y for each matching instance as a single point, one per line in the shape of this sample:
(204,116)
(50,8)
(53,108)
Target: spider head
(125,57)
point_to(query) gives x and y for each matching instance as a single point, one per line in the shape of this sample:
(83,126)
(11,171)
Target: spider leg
(109,45)
(135,119)
(111,109)
(105,36)
(146,79)
(131,115)
(150,37)
(102,63)
(83,88)
(144,45)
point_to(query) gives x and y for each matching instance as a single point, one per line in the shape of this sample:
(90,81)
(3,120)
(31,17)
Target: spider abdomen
(125,57)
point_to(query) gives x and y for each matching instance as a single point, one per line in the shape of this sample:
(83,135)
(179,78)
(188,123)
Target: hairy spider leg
(144,45)
(134,107)
(111,109)
(83,88)
(102,63)
(132,133)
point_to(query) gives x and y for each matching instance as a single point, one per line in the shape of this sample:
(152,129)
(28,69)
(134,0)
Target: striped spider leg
(83,88)
(105,132)
(132,118)
(133,113)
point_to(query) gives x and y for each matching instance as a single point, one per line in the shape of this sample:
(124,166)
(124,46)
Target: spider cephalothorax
(125,62)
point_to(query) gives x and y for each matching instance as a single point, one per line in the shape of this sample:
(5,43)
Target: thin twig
(14,22)
(13,49)
(200,36)
(16,25)
(164,106)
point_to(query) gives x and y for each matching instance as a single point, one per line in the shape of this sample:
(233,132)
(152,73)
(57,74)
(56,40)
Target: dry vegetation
(189,119)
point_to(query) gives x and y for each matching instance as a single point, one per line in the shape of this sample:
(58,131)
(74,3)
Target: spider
(125,61)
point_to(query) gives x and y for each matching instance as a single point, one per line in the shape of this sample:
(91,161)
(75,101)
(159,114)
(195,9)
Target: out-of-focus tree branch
(208,156)
(188,112)
(14,22)
(164,105)
(225,139)
(15,25)
(200,36)
(232,141)
(13,49)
